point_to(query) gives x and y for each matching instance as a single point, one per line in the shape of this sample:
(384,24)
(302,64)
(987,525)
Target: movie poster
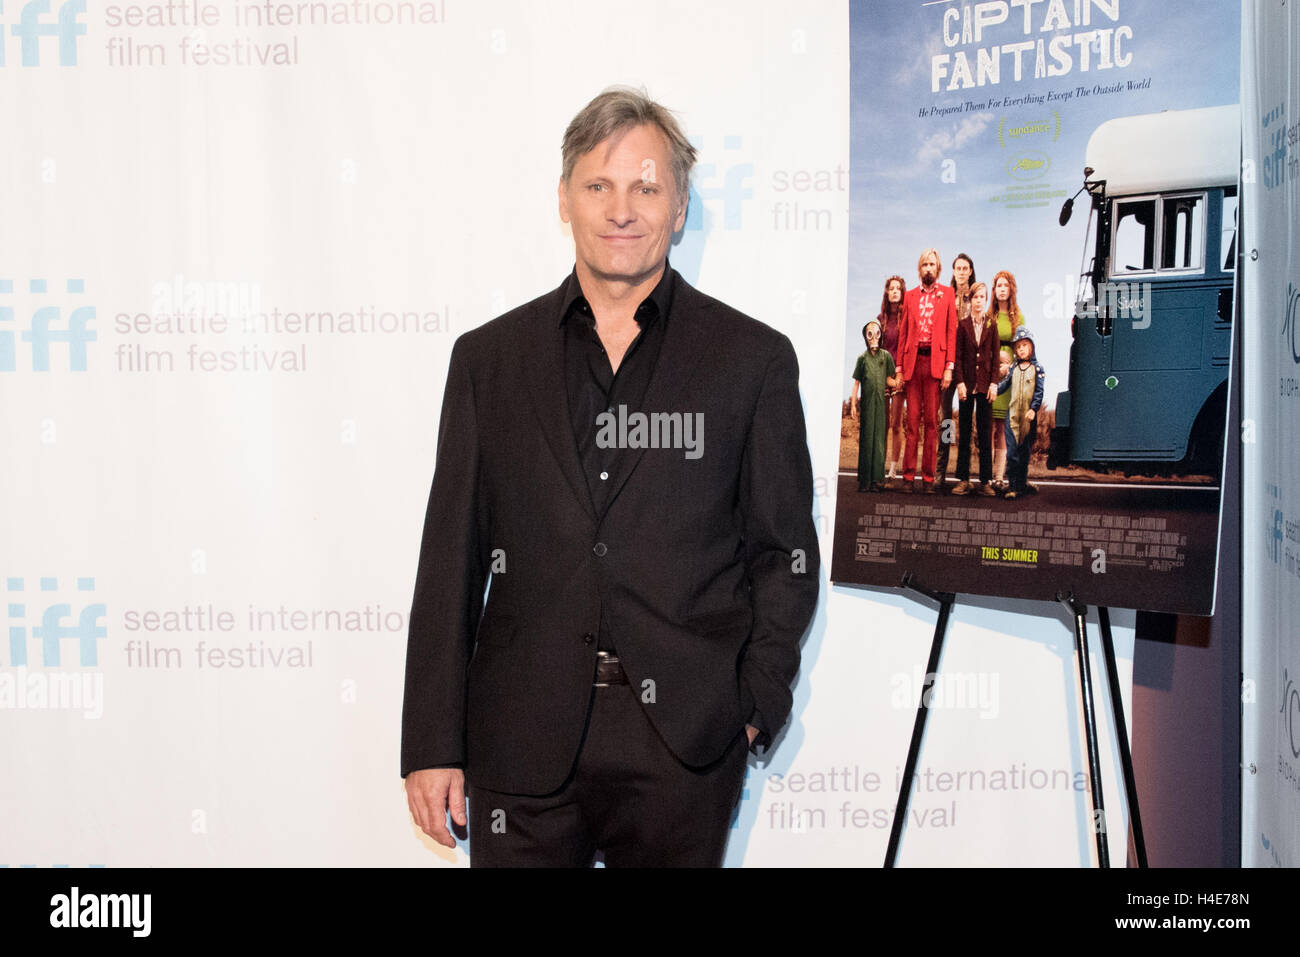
(1041,409)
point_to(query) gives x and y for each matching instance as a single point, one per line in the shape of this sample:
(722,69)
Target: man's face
(978,303)
(622,204)
(928,269)
(960,272)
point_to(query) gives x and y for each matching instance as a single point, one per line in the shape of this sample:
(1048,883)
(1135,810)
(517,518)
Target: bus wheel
(1205,444)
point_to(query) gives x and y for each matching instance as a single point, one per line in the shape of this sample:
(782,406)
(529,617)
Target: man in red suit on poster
(927,347)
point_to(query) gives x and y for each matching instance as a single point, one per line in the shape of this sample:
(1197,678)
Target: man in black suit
(625,459)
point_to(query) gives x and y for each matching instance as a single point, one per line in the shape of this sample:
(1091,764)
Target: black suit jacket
(706,568)
(977,365)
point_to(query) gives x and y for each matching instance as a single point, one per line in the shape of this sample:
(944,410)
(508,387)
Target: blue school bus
(1152,327)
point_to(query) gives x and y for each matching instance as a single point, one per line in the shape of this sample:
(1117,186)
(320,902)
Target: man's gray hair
(620,108)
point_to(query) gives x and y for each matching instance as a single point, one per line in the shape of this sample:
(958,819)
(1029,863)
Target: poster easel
(1079,612)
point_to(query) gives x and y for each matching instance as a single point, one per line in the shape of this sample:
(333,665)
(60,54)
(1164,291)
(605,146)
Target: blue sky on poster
(920,181)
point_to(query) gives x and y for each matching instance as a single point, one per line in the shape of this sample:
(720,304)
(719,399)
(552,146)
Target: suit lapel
(549,398)
(685,338)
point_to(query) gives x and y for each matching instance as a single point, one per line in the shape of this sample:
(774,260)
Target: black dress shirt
(594,387)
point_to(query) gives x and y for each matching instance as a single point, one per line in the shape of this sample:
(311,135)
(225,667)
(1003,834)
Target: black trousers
(983,436)
(628,796)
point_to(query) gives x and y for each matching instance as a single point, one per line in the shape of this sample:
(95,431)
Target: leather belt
(609,670)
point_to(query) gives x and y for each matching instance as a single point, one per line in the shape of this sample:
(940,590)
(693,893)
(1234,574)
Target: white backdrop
(1270,827)
(210,535)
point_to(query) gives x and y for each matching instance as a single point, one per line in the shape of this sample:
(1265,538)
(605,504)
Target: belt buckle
(604,658)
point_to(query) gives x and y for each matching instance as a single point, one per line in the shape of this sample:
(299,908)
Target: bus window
(1134,249)
(1182,241)
(1228,240)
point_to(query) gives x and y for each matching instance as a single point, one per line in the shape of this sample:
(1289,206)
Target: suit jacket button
(588,638)
(600,548)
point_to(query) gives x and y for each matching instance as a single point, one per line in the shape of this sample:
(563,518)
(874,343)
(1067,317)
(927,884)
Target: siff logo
(731,187)
(58,622)
(35,22)
(1275,161)
(46,328)
(1274,541)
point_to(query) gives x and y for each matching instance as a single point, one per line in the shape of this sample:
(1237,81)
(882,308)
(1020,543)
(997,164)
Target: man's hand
(961,391)
(429,794)
(947,378)
(752,732)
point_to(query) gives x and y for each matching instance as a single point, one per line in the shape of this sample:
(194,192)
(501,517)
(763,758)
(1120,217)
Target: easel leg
(1089,726)
(1121,731)
(945,600)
